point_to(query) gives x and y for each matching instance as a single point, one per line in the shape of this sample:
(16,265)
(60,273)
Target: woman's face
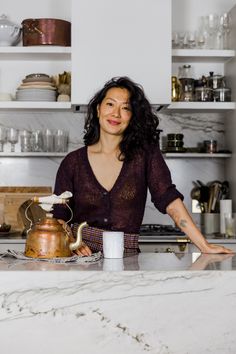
(114,112)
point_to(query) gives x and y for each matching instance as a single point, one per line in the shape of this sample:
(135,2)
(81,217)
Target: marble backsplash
(39,171)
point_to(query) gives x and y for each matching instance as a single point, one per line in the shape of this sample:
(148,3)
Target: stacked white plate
(36,87)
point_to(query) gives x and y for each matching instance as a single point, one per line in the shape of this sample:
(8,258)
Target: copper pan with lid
(46,31)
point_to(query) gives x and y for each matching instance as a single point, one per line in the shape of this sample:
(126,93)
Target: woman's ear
(98,111)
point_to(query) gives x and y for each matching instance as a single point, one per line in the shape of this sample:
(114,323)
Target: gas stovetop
(160,230)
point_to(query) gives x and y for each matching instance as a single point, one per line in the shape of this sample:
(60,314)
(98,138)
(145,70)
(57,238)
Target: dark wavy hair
(142,129)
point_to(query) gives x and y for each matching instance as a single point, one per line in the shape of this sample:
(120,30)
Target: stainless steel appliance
(162,238)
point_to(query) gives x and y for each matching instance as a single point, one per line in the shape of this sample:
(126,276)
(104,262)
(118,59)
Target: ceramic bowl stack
(36,87)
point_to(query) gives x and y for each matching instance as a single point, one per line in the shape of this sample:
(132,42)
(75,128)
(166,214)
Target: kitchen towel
(73,259)
(225,207)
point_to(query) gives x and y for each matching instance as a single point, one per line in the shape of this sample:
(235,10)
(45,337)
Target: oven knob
(169,250)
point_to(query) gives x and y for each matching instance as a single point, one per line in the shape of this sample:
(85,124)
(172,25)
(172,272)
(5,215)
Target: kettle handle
(31,222)
(26,216)
(15,31)
(74,245)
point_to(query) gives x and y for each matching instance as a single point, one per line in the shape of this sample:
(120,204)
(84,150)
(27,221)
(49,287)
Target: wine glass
(3,137)
(175,40)
(191,39)
(12,137)
(182,39)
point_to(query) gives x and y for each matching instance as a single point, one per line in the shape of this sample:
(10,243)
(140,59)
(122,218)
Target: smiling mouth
(113,122)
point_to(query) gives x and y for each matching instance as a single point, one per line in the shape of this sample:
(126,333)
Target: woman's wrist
(204,248)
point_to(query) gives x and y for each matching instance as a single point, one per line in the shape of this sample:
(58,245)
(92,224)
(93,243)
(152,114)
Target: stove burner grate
(159,230)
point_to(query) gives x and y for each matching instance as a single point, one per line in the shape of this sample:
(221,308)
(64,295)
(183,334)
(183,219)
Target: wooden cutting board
(12,205)
(20,189)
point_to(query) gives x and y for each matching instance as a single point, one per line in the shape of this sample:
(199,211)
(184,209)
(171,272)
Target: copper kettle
(48,238)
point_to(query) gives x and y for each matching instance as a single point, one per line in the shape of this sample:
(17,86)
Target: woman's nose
(116,112)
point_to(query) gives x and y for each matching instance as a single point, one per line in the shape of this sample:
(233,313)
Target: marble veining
(131,312)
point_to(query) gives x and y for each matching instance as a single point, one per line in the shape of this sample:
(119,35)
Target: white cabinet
(11,244)
(18,61)
(121,38)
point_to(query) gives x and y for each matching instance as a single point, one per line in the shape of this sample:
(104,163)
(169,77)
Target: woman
(110,175)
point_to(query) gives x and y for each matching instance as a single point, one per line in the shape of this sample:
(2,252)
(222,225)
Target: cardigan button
(105,220)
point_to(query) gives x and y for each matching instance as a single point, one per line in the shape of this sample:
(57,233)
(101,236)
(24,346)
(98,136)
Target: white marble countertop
(139,262)
(163,303)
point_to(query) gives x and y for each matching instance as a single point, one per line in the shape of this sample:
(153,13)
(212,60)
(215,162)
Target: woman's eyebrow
(124,102)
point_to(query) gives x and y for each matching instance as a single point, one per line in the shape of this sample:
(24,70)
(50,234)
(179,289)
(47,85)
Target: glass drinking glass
(61,140)
(202,34)
(25,141)
(37,141)
(225,23)
(3,137)
(48,140)
(212,26)
(12,137)
(229,225)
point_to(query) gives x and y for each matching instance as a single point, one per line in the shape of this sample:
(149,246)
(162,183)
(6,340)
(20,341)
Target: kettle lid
(4,22)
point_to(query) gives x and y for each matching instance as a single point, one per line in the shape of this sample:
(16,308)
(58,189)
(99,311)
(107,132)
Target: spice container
(210,146)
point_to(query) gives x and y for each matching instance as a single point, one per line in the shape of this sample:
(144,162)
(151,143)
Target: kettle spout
(74,245)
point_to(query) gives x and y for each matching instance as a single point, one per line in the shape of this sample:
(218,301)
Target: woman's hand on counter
(212,248)
(83,250)
(178,212)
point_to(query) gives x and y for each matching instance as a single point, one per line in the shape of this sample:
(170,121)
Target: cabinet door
(19,247)
(121,38)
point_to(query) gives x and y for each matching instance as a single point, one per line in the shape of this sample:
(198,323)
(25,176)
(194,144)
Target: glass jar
(222,94)
(187,83)
(203,94)
(185,72)
(215,81)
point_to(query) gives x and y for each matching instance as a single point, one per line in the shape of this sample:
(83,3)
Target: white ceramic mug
(113,244)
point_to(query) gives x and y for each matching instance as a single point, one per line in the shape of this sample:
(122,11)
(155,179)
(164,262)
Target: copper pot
(46,31)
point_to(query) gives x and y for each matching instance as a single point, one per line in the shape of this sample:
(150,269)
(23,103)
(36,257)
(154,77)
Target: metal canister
(210,146)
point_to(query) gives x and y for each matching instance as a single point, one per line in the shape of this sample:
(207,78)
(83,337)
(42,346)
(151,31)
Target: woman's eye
(126,108)
(109,104)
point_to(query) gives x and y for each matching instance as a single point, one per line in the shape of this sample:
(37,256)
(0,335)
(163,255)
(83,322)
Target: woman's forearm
(177,211)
